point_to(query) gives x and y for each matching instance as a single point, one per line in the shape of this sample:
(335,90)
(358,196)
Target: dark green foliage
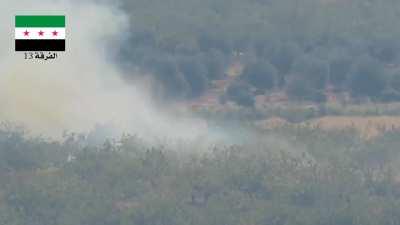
(215,33)
(367,78)
(171,80)
(241,94)
(215,63)
(313,70)
(339,68)
(389,95)
(284,56)
(385,49)
(261,75)
(195,75)
(395,82)
(308,79)
(299,88)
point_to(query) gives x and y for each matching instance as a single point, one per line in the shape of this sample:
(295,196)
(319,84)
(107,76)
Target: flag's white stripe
(34,33)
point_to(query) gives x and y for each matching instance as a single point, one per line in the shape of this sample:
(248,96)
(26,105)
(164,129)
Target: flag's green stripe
(39,21)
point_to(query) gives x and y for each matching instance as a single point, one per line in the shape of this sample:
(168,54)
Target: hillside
(311,50)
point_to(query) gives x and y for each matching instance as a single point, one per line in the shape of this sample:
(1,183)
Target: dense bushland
(289,176)
(298,46)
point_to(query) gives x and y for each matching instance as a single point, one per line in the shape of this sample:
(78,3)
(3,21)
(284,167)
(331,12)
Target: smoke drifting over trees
(133,66)
(282,45)
(84,86)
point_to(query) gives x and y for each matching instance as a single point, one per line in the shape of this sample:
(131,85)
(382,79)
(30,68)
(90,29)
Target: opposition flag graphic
(39,33)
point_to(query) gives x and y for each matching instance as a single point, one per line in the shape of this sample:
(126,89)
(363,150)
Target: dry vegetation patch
(368,126)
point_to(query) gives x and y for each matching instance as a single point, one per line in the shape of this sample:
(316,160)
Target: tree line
(299,47)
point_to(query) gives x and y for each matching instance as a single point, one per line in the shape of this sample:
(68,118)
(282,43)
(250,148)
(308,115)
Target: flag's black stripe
(39,45)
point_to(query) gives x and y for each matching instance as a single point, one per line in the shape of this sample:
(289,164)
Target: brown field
(368,126)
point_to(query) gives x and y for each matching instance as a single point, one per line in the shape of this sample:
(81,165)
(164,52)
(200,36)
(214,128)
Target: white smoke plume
(82,87)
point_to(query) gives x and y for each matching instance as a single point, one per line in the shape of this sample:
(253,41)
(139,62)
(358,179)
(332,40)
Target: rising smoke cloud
(83,87)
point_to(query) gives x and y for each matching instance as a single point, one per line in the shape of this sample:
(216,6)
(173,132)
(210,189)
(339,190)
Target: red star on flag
(39,33)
